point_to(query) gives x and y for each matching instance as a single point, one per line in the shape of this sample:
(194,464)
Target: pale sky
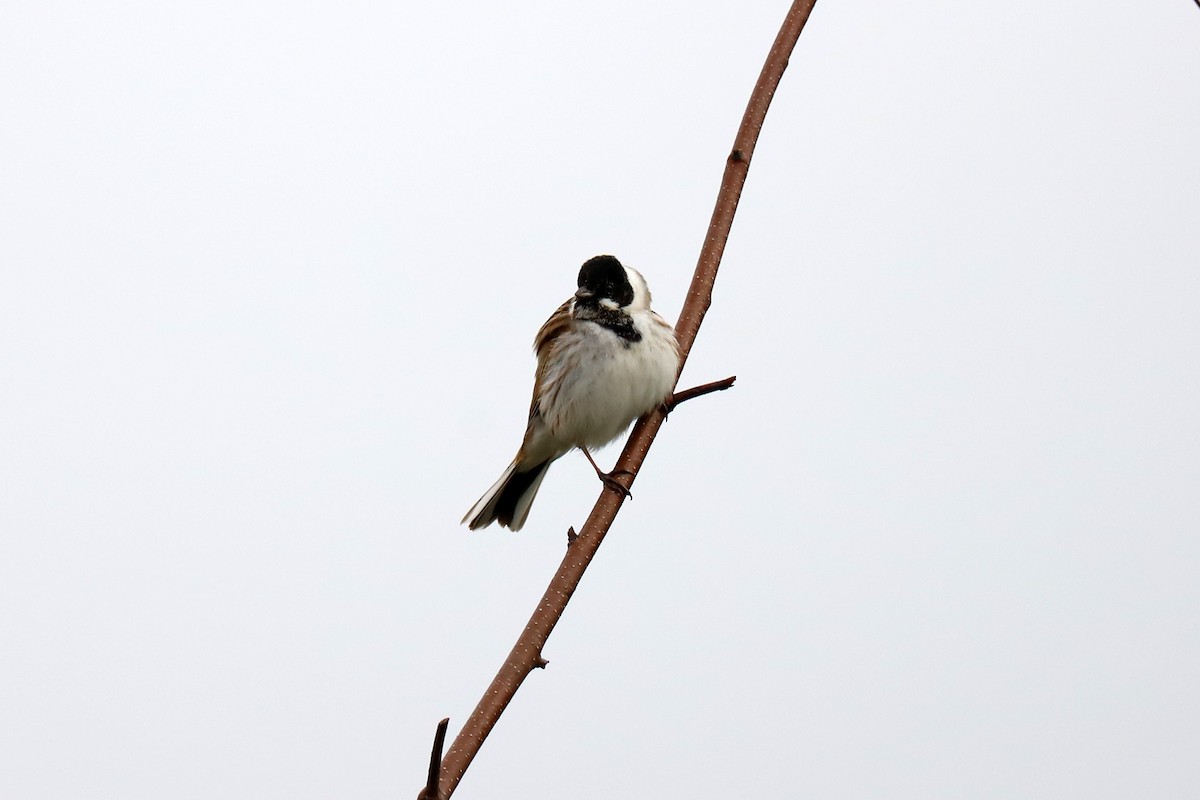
(271,277)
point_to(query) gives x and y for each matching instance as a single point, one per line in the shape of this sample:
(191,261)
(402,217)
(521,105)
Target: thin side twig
(697,391)
(526,654)
(431,790)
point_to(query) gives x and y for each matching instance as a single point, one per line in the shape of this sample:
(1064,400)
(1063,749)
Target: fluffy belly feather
(612,384)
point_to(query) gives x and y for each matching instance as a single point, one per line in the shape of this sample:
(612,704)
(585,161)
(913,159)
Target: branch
(700,391)
(526,655)
(430,792)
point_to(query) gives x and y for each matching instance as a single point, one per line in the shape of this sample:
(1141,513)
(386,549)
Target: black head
(603,278)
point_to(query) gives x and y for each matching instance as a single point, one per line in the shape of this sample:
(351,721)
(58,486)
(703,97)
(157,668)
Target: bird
(604,359)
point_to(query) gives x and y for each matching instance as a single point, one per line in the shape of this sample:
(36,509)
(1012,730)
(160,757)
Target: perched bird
(603,360)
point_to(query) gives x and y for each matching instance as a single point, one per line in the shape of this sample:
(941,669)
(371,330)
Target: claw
(612,483)
(607,478)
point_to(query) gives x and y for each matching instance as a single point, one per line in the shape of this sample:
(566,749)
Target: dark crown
(604,277)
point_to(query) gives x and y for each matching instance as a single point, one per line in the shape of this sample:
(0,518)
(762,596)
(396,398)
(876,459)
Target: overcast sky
(271,275)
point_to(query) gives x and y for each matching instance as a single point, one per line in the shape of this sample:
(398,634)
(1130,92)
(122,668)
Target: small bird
(603,360)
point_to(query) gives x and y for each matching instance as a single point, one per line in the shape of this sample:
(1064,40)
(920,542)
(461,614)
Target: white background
(271,272)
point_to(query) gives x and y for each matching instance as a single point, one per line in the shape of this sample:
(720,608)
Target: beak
(584,294)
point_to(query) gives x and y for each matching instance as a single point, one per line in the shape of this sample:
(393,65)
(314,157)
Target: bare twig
(430,792)
(699,391)
(526,655)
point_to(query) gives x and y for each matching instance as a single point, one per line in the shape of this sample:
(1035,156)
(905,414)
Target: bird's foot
(610,482)
(609,478)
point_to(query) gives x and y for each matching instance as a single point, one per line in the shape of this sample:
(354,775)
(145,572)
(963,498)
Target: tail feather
(509,499)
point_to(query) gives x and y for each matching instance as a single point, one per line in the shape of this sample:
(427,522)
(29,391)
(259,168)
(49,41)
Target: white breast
(596,384)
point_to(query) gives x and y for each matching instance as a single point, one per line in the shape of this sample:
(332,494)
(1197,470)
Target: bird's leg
(607,477)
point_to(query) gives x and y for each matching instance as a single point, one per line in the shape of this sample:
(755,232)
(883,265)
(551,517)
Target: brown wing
(543,345)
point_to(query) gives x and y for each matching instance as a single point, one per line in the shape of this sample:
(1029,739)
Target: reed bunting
(603,360)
